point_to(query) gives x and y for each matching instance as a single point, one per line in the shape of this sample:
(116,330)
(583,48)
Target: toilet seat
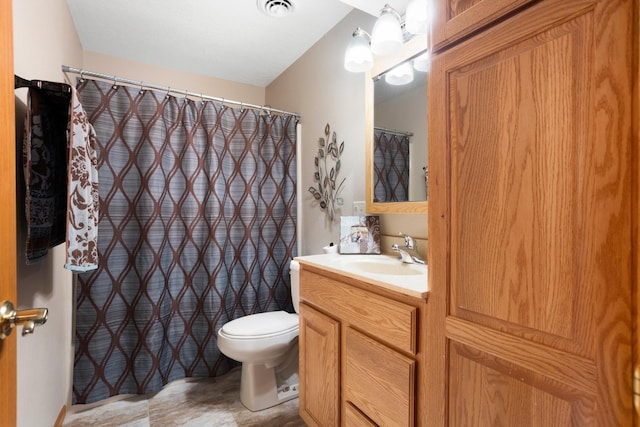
(261,325)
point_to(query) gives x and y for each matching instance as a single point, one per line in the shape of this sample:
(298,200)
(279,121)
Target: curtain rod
(393,132)
(168,89)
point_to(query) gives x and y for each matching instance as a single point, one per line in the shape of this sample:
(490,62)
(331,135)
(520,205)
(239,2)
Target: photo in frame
(360,234)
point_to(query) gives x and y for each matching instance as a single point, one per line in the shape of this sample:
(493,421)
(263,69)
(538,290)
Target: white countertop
(381,270)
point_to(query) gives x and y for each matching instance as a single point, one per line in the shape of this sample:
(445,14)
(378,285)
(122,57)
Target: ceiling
(226,39)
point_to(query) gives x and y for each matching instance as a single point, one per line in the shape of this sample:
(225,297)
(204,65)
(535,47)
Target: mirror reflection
(400,135)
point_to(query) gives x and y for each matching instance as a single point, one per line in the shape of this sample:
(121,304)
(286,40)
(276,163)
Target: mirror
(397,136)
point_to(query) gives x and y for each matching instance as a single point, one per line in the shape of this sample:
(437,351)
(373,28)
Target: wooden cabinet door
(531,174)
(319,368)
(454,19)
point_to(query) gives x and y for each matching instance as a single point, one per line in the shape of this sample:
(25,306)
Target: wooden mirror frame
(410,49)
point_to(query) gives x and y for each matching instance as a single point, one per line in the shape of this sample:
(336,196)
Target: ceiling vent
(277,8)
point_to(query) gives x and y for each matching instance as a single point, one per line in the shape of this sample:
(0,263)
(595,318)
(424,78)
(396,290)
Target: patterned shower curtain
(390,166)
(197,227)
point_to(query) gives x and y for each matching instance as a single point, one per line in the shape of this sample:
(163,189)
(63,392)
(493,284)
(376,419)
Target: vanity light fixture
(387,36)
(416,19)
(422,62)
(400,75)
(358,57)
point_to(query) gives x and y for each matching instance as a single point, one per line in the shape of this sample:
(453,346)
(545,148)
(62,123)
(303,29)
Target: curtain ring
(81,76)
(186,94)
(241,107)
(141,89)
(202,97)
(115,83)
(167,94)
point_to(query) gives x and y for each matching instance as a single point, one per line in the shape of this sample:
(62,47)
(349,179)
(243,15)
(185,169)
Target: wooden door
(530,164)
(455,19)
(7,211)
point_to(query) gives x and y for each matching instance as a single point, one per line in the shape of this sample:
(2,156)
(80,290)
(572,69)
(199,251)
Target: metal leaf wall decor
(327,168)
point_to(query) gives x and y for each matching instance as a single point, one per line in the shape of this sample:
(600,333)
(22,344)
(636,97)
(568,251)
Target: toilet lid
(262,324)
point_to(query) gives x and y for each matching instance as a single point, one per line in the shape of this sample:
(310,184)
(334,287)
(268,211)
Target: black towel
(45,168)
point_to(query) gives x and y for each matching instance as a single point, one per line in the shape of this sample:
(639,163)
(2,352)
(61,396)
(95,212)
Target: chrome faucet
(408,254)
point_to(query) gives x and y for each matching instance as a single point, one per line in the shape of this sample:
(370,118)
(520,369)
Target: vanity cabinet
(359,350)
(533,201)
(455,19)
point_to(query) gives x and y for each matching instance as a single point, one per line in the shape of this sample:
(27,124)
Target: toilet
(267,346)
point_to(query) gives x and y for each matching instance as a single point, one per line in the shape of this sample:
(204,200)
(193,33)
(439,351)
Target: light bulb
(422,62)
(416,19)
(400,75)
(358,57)
(386,36)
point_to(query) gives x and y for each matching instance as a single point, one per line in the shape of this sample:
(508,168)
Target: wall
(179,80)
(322,91)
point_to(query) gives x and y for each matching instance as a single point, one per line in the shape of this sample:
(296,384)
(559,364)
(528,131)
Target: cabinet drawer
(387,320)
(379,381)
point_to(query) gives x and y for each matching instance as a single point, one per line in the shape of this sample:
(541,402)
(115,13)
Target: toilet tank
(294,271)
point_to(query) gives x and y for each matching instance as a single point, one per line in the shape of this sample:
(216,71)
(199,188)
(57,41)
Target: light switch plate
(358,209)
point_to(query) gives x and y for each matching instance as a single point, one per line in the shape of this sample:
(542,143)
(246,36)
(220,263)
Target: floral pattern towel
(83,200)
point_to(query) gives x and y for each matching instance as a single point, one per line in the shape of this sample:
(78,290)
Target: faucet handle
(408,240)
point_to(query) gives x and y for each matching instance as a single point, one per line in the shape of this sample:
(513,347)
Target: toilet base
(259,390)
(262,387)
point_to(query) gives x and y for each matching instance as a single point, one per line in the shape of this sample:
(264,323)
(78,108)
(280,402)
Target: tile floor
(192,402)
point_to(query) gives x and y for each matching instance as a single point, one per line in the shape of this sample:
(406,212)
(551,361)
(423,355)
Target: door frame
(8,256)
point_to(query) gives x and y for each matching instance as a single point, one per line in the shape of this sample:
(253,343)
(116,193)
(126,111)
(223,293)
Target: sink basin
(382,270)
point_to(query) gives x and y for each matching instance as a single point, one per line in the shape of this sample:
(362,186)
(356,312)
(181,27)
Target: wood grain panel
(7,211)
(483,395)
(390,321)
(565,368)
(379,381)
(319,368)
(522,169)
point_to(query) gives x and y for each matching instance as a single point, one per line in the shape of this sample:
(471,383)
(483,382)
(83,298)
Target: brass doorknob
(29,319)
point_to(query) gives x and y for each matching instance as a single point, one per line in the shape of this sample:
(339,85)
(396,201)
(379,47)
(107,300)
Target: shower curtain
(197,227)
(390,166)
